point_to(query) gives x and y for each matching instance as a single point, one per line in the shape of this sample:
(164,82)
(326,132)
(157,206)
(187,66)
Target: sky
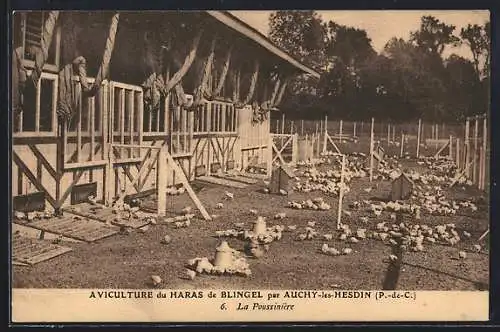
(383,25)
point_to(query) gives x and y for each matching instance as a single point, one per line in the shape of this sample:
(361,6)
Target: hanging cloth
(69,98)
(251,89)
(201,90)
(19,76)
(102,74)
(236,86)
(156,86)
(222,79)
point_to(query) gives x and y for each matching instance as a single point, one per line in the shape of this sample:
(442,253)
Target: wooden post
(283,123)
(388,133)
(295,148)
(140,120)
(301,127)
(109,173)
(316,129)
(402,145)
(291,127)
(437,131)
(394,134)
(467,146)
(418,137)
(161,182)
(341,193)
(371,150)
(270,155)
(451,148)
(325,136)
(485,149)
(354,129)
(474,164)
(457,153)
(340,131)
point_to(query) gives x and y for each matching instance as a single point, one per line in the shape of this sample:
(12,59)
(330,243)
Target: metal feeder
(260,226)
(223,255)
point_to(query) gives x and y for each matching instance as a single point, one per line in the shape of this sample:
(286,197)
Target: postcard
(250,166)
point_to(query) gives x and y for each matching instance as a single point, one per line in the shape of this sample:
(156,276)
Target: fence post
(402,145)
(485,147)
(109,174)
(388,134)
(418,137)
(302,127)
(451,148)
(341,193)
(474,164)
(161,182)
(467,147)
(325,136)
(340,131)
(354,129)
(270,155)
(295,148)
(371,150)
(457,154)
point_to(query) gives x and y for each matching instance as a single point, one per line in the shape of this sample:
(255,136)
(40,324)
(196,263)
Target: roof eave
(251,33)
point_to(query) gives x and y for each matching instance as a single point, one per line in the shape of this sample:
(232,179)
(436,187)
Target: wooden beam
(188,187)
(441,149)
(402,145)
(341,194)
(371,150)
(485,149)
(467,145)
(43,161)
(474,165)
(418,137)
(24,169)
(79,125)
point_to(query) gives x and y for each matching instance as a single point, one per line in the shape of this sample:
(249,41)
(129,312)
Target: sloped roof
(246,30)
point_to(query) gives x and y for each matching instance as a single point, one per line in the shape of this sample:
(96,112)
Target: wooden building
(91,90)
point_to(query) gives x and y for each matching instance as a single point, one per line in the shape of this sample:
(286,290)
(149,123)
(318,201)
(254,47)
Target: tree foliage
(407,80)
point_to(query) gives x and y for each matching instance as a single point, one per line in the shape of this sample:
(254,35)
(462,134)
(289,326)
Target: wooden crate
(402,187)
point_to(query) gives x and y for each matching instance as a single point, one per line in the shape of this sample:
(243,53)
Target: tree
(478,40)
(352,46)
(300,33)
(416,79)
(463,88)
(434,35)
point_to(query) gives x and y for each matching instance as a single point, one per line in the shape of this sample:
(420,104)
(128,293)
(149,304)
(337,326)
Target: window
(39,108)
(215,116)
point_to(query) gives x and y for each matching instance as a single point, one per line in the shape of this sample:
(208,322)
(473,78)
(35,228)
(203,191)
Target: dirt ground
(128,261)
